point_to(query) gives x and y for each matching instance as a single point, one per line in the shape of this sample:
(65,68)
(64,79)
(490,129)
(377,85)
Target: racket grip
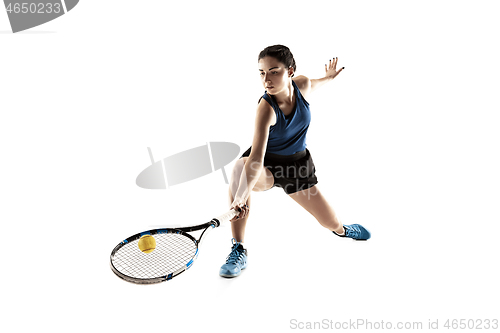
(226,217)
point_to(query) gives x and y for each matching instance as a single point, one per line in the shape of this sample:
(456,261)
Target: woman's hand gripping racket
(175,252)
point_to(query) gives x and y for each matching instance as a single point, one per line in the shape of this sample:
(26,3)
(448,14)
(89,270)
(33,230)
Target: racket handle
(225,217)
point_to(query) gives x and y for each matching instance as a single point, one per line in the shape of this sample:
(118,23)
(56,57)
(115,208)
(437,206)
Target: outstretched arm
(331,73)
(254,165)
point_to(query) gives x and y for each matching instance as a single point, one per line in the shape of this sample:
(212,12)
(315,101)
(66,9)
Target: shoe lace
(352,231)
(235,254)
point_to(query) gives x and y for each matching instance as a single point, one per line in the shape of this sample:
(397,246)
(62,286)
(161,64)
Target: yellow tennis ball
(147,244)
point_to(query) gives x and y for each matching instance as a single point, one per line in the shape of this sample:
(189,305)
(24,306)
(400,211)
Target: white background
(405,141)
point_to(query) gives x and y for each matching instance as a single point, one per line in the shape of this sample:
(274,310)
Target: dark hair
(281,53)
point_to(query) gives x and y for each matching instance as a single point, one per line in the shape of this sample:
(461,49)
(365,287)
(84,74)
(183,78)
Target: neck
(286,96)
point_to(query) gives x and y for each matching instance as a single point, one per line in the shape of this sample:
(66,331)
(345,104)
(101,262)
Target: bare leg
(315,203)
(238,226)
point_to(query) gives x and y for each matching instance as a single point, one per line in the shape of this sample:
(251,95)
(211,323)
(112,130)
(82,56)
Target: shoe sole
(229,276)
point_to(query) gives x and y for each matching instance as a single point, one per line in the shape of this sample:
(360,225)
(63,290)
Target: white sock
(342,234)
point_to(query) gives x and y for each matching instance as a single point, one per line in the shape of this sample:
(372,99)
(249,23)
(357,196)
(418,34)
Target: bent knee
(239,165)
(237,170)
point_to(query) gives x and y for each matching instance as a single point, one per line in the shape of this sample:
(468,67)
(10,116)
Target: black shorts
(292,173)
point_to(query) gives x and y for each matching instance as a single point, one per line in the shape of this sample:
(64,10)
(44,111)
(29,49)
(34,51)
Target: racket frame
(214,223)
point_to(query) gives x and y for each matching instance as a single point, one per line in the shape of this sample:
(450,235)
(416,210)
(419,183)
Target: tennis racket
(175,252)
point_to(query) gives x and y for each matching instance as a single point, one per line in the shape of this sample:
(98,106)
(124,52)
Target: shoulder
(304,84)
(266,101)
(265,113)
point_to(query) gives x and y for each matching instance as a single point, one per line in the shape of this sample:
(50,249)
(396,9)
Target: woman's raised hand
(331,68)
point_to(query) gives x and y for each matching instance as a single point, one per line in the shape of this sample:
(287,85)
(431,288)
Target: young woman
(278,156)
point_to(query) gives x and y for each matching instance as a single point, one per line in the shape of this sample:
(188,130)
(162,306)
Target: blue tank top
(288,135)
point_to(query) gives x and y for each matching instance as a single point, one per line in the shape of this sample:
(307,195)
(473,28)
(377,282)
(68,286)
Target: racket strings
(172,253)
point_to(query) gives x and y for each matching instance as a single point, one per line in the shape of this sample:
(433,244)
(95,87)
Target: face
(275,75)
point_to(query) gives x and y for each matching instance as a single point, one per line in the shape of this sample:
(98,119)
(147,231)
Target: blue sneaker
(356,232)
(235,261)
